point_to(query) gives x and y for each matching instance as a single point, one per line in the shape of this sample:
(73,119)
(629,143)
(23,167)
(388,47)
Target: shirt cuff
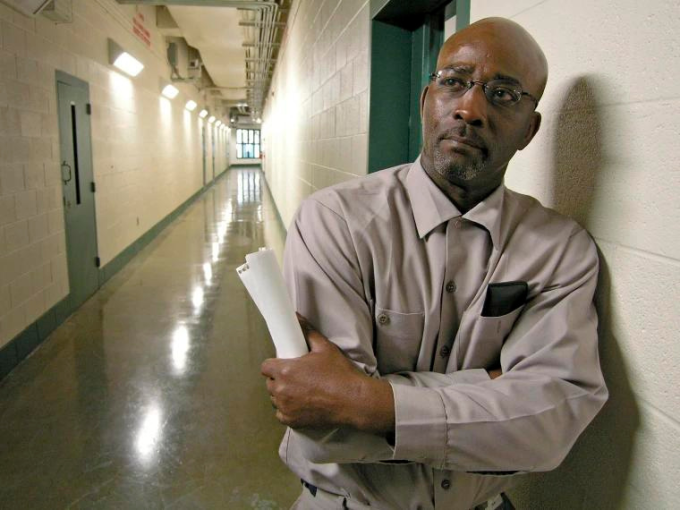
(420,425)
(469,376)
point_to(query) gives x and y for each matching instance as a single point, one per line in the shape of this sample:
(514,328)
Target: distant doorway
(205,179)
(73,102)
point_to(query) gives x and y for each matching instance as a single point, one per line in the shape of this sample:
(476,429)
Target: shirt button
(445,351)
(446,484)
(450,287)
(383,319)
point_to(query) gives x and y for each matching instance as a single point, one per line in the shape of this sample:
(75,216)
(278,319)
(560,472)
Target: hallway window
(248,143)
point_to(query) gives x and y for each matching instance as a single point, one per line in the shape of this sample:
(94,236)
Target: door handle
(70,174)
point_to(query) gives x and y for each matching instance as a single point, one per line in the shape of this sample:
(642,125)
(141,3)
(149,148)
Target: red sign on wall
(140,30)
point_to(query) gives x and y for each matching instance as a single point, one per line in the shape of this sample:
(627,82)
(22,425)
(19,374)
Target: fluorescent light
(218,123)
(203,114)
(259,121)
(211,119)
(170,91)
(191,105)
(128,64)
(122,60)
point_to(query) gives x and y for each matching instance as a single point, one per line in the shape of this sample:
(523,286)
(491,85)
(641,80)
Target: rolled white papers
(263,280)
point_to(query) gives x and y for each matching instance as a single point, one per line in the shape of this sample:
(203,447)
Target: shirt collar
(431,207)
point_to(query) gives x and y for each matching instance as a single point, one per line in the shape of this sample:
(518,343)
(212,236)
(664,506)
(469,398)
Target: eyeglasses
(498,92)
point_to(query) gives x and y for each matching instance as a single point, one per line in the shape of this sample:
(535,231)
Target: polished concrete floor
(150,395)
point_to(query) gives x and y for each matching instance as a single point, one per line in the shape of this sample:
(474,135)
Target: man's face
(467,140)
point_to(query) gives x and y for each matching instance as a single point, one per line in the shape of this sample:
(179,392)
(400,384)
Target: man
(460,345)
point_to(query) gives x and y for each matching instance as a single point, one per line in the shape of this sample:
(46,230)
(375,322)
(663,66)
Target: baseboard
(22,345)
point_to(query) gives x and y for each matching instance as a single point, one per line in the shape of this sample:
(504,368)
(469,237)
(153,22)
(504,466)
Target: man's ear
(422,100)
(532,129)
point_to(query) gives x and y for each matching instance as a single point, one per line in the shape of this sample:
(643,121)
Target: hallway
(150,395)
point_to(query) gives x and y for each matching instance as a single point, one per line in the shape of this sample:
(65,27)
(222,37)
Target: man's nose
(472,106)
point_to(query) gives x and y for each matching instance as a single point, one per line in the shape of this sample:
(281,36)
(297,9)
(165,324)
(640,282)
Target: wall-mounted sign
(140,30)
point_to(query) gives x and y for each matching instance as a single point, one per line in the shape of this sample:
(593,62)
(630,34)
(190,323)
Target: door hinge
(88,108)
(93,187)
(98,262)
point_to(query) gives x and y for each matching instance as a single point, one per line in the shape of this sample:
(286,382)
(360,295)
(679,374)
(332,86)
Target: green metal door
(405,40)
(78,188)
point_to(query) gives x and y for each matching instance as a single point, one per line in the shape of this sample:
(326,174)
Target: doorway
(78,187)
(205,181)
(405,41)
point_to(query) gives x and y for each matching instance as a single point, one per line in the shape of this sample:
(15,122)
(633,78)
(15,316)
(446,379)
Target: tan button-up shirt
(389,270)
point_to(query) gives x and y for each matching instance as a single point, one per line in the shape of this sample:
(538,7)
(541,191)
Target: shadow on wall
(595,473)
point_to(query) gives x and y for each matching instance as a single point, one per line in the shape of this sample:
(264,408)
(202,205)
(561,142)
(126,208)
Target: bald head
(470,130)
(516,46)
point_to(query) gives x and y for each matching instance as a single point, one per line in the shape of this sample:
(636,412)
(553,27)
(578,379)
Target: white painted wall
(141,143)
(607,155)
(315,122)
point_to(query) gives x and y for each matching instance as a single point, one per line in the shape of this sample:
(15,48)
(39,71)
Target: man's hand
(323,389)
(495,373)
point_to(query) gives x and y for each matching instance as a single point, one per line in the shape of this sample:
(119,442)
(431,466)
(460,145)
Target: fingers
(318,342)
(493,374)
(270,367)
(304,324)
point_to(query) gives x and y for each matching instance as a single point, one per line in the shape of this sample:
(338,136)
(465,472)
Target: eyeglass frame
(471,83)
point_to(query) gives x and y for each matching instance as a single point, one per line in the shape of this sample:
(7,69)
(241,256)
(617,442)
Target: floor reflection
(150,395)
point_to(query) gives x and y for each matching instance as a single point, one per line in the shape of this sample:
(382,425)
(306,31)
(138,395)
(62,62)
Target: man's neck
(464,198)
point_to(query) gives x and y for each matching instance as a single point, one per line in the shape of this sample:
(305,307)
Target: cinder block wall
(315,123)
(607,155)
(141,144)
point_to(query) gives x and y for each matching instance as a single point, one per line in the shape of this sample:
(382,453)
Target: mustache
(467,133)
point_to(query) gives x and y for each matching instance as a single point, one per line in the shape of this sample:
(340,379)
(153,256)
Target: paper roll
(263,280)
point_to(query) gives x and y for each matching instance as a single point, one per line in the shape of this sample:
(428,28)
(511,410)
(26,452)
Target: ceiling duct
(59,11)
(263,23)
(185,61)
(27,7)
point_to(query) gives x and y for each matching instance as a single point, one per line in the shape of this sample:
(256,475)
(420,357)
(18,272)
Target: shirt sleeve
(551,387)
(526,420)
(324,280)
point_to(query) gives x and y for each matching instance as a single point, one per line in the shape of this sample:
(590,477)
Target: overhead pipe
(239,4)
(268,12)
(271,23)
(260,24)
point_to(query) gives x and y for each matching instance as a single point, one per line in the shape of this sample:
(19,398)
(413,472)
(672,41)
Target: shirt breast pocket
(397,340)
(486,339)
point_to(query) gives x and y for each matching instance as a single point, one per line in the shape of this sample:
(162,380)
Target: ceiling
(238,41)
(215,32)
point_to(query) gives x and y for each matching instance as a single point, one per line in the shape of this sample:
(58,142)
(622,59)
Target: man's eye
(504,94)
(452,83)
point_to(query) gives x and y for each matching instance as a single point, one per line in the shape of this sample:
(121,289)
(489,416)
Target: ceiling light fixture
(191,105)
(203,114)
(170,91)
(211,119)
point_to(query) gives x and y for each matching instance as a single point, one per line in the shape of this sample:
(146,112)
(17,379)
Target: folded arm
(525,420)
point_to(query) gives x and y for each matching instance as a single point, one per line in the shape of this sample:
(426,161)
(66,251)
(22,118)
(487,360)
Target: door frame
(405,40)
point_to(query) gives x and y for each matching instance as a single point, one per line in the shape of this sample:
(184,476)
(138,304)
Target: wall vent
(59,11)
(27,7)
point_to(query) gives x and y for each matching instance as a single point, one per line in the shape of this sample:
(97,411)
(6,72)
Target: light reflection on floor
(150,395)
